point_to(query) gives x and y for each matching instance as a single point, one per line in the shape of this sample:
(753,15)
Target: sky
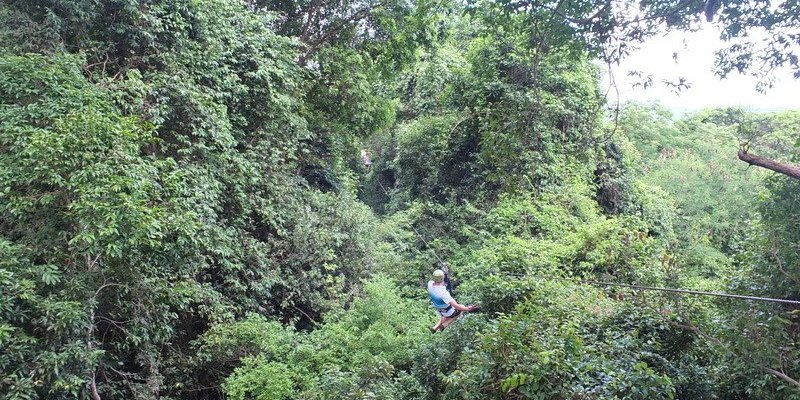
(695,62)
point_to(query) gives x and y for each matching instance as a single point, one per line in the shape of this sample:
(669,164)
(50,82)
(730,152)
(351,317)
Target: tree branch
(679,7)
(782,376)
(692,328)
(790,170)
(313,9)
(585,20)
(307,316)
(777,258)
(314,44)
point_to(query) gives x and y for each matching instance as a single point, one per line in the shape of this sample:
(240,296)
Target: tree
(610,30)
(152,185)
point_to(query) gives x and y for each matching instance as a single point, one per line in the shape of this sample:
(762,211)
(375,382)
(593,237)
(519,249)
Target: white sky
(695,62)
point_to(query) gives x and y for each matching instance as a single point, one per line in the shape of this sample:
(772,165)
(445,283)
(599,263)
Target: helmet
(438,275)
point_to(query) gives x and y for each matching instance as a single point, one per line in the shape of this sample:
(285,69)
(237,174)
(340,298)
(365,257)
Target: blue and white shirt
(439,295)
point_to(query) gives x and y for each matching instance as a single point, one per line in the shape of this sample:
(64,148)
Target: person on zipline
(445,304)
(365,159)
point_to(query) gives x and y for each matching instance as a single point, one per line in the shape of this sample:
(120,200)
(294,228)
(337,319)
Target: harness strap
(447,283)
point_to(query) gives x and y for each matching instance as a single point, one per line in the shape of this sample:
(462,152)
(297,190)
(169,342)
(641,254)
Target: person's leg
(449,319)
(438,324)
(446,321)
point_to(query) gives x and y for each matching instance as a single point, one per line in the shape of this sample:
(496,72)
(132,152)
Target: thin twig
(307,316)
(777,258)
(581,21)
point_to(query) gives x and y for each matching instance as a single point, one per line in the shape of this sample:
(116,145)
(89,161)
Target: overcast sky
(695,63)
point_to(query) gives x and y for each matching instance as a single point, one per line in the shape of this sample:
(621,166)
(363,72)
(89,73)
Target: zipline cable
(448,283)
(419,235)
(655,288)
(602,283)
(693,292)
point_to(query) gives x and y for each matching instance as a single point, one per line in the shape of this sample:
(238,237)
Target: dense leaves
(185,211)
(164,197)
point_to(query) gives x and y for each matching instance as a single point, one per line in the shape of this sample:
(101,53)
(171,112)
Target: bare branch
(782,376)
(777,258)
(306,315)
(106,285)
(91,262)
(790,170)
(692,328)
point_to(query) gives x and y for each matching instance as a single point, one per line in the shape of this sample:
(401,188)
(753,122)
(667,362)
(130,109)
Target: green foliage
(358,353)
(694,160)
(610,33)
(83,209)
(155,190)
(428,88)
(422,149)
(450,146)
(725,212)
(567,341)
(271,381)
(559,232)
(183,213)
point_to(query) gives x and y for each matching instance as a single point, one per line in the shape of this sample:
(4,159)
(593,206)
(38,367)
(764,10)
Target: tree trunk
(790,170)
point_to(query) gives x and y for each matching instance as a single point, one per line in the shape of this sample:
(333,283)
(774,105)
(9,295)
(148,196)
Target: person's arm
(459,307)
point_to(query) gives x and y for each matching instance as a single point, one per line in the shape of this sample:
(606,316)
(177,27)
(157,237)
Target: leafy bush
(363,352)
